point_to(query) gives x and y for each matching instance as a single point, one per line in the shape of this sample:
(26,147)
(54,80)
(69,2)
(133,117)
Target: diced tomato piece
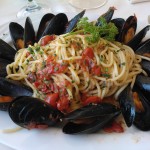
(83,96)
(63,104)
(52,99)
(46,39)
(92,99)
(88,52)
(96,70)
(36,84)
(114,127)
(50,59)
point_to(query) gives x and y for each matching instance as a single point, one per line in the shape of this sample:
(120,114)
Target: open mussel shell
(6,51)
(128,30)
(26,111)
(92,110)
(144,49)
(14,88)
(108,15)
(89,119)
(143,84)
(142,119)
(138,38)
(29,33)
(127,106)
(146,66)
(73,22)
(43,24)
(16,33)
(89,126)
(56,25)
(119,22)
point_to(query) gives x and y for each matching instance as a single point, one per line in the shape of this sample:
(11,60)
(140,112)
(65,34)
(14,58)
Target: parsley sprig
(107,31)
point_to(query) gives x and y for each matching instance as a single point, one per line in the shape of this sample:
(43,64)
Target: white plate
(53,138)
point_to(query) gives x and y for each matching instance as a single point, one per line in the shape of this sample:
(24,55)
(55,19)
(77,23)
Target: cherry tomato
(52,99)
(63,104)
(88,52)
(46,39)
(115,127)
(96,70)
(92,99)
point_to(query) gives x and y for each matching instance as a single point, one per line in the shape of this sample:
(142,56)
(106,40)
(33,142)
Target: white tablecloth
(9,9)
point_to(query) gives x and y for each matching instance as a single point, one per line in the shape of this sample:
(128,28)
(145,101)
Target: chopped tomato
(83,96)
(55,68)
(114,127)
(63,104)
(36,84)
(92,99)
(52,99)
(88,52)
(50,59)
(46,39)
(96,70)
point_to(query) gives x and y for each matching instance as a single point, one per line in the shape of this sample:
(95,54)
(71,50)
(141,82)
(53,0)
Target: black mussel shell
(144,49)
(92,110)
(146,66)
(128,30)
(72,23)
(43,24)
(142,83)
(26,111)
(119,22)
(3,64)
(56,25)
(6,51)
(108,15)
(142,119)
(14,88)
(16,33)
(29,33)
(94,125)
(127,106)
(134,43)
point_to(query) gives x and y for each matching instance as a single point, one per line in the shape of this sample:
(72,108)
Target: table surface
(9,9)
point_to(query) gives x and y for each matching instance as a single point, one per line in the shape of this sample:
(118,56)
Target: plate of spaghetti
(75,76)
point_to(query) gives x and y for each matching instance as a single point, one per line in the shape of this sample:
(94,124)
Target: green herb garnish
(30,50)
(107,31)
(106,75)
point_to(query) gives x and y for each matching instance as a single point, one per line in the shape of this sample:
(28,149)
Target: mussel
(128,29)
(29,112)
(91,118)
(108,15)
(16,32)
(43,24)
(127,105)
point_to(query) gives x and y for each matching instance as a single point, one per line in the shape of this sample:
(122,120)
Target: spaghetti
(74,69)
